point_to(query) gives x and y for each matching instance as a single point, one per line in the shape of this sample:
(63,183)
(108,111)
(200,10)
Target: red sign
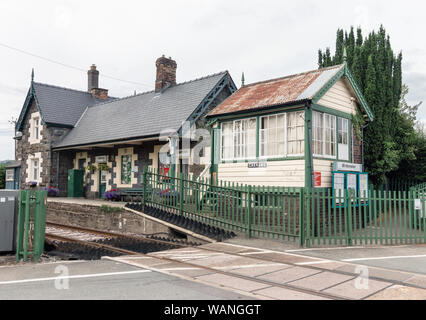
(317,179)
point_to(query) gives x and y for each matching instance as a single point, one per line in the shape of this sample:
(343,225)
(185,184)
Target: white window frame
(10,175)
(298,113)
(339,130)
(322,139)
(35,177)
(284,155)
(240,135)
(36,129)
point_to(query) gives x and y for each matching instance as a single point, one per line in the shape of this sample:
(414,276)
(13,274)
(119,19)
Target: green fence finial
(242,80)
(32,75)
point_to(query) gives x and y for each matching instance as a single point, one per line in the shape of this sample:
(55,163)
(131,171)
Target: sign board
(317,179)
(101,159)
(344,166)
(351,186)
(418,206)
(255,165)
(339,187)
(363,186)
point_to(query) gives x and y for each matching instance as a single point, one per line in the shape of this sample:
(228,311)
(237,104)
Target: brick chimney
(93,84)
(166,73)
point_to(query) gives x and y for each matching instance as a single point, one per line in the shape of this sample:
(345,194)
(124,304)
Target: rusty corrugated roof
(277,91)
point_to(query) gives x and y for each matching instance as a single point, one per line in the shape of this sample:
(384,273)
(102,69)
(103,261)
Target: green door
(75,183)
(102,183)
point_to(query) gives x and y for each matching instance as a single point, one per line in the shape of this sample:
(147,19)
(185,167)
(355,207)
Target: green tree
(2,176)
(378,72)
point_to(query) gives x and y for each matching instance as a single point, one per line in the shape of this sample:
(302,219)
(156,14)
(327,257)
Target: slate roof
(275,92)
(142,115)
(61,105)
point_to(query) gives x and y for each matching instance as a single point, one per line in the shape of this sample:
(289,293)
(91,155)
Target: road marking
(346,248)
(313,262)
(384,258)
(96,275)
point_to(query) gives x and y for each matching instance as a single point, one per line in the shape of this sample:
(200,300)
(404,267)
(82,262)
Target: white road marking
(346,248)
(384,258)
(96,275)
(313,262)
(253,266)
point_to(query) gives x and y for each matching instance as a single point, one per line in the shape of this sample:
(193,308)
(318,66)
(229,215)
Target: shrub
(51,192)
(112,195)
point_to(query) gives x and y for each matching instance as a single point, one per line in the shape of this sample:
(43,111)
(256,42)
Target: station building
(112,140)
(292,131)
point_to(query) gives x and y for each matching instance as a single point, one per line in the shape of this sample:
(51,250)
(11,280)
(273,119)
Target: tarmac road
(101,279)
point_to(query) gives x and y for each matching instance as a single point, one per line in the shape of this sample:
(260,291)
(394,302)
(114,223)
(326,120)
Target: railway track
(93,244)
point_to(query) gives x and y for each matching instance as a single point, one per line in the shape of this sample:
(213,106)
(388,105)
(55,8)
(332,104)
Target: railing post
(249,211)
(349,216)
(301,217)
(145,172)
(181,190)
(20,236)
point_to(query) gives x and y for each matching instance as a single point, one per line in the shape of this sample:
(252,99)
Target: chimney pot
(166,73)
(93,84)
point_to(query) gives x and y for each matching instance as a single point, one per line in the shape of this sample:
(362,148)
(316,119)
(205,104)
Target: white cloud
(265,39)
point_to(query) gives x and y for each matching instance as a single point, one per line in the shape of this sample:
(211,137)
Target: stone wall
(48,160)
(92,217)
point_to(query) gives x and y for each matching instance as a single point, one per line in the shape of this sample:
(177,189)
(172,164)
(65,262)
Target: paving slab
(329,265)
(233,282)
(290,274)
(321,281)
(417,280)
(283,257)
(349,291)
(380,273)
(226,261)
(259,270)
(144,261)
(398,292)
(228,248)
(285,294)
(192,273)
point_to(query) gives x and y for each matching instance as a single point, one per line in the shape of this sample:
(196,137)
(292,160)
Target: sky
(264,39)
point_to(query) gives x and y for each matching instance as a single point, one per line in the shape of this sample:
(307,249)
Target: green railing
(376,217)
(273,212)
(419,187)
(311,216)
(31,224)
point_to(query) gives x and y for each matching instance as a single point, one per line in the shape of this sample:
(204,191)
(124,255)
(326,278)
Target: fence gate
(376,217)
(31,224)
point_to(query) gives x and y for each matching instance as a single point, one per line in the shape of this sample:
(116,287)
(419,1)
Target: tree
(2,176)
(388,141)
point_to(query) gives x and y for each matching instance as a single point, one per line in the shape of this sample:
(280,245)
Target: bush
(51,192)
(112,195)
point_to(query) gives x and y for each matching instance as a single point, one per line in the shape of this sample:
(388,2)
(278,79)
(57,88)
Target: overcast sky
(265,39)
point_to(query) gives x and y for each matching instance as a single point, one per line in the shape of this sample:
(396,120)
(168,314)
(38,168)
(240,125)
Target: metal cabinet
(8,220)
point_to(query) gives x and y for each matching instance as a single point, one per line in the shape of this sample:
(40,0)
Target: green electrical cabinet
(75,183)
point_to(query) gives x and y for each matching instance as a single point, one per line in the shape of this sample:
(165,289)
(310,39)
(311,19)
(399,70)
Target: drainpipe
(362,143)
(311,161)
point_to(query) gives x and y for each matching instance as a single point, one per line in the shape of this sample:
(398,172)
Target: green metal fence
(310,216)
(31,224)
(376,217)
(273,212)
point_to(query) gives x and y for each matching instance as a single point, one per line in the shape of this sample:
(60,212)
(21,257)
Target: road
(101,279)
